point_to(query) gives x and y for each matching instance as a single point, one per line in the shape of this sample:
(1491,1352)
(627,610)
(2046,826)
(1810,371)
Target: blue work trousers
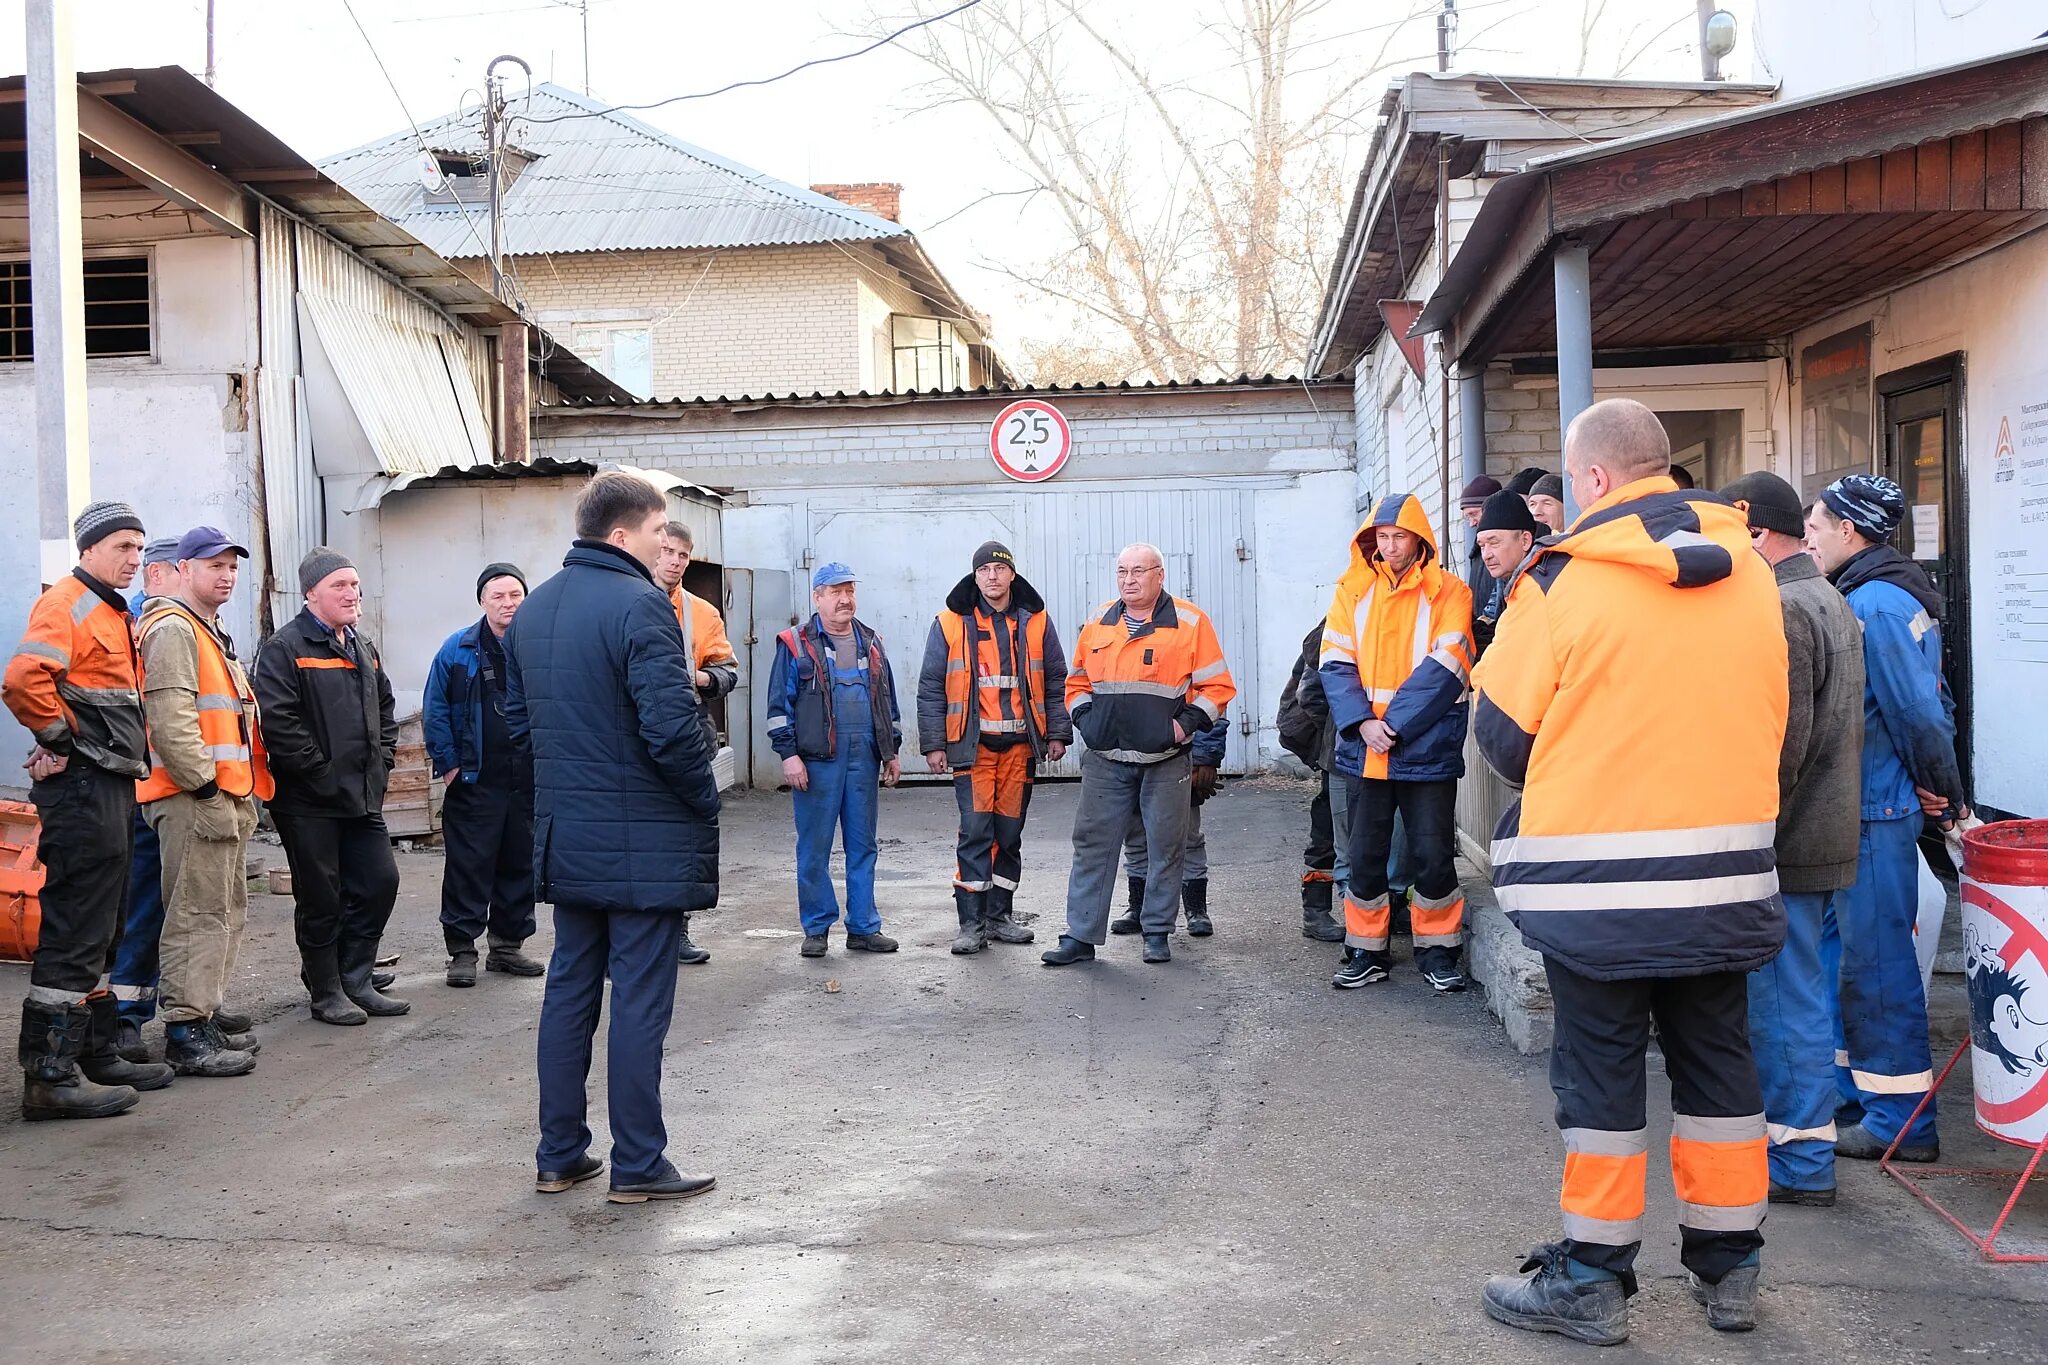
(1882,1063)
(133,979)
(1791,1020)
(844,795)
(637,949)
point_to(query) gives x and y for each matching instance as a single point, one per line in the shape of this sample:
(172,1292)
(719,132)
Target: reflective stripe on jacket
(1399,650)
(1636,692)
(1125,691)
(75,681)
(225,709)
(958,696)
(801,719)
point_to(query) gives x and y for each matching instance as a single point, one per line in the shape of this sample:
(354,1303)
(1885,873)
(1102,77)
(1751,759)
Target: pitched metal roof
(601,181)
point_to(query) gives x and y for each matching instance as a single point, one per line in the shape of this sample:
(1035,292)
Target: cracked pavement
(970,1159)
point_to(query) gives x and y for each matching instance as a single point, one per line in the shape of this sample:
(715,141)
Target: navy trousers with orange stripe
(1719,1165)
(994,797)
(1436,904)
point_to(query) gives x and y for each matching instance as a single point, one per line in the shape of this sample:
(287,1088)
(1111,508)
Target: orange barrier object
(21,881)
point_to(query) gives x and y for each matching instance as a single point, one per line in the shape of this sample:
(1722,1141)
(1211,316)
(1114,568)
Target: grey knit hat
(1549,486)
(318,563)
(100,520)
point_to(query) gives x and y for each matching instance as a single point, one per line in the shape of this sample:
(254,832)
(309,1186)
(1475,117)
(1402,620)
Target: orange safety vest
(962,680)
(227,718)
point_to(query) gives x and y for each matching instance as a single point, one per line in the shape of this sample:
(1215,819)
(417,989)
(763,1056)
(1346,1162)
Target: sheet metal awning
(415,402)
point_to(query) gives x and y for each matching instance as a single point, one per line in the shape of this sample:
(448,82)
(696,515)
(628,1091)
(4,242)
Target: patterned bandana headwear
(1871,503)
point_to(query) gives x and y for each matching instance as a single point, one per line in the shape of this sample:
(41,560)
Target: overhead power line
(883,41)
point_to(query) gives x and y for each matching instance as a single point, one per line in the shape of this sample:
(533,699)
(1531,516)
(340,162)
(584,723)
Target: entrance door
(1922,454)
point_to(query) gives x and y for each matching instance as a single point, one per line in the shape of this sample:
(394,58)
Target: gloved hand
(217,819)
(1202,784)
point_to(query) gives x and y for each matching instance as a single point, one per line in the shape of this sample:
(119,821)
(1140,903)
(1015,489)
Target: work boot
(1360,967)
(357,984)
(1070,951)
(1157,949)
(52,1041)
(1564,1296)
(128,1040)
(972,907)
(506,958)
(813,946)
(331,1004)
(1194,898)
(1860,1144)
(1318,899)
(1127,922)
(1731,1304)
(233,1042)
(1001,919)
(1813,1199)
(870,943)
(462,969)
(688,953)
(102,1063)
(670,1184)
(228,1021)
(194,1050)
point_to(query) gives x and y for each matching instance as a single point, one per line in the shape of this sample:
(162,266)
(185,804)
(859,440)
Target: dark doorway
(1921,425)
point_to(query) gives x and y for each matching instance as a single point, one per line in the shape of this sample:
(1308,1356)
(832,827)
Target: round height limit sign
(1030,440)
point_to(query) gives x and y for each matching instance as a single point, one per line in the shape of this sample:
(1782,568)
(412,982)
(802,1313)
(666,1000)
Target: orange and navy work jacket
(1125,691)
(705,643)
(1635,692)
(995,677)
(75,681)
(1398,648)
(229,738)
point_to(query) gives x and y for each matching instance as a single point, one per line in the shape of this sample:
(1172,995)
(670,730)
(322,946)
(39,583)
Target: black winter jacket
(625,807)
(328,721)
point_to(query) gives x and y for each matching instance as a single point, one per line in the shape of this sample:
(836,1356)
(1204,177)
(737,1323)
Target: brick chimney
(882,200)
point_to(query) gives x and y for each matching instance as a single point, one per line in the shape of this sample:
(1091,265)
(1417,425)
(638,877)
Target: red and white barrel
(2005,963)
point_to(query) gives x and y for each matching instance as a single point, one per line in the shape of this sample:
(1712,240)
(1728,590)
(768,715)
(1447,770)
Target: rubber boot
(102,1062)
(52,1041)
(1194,898)
(1001,919)
(973,909)
(504,956)
(1127,922)
(357,961)
(322,976)
(128,1040)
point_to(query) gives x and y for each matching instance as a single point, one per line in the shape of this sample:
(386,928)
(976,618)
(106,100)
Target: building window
(928,354)
(626,354)
(117,308)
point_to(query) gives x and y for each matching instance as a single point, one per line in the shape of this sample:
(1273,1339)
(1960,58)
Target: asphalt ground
(941,1159)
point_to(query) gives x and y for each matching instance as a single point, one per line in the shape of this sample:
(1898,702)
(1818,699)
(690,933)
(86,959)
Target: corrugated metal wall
(291,492)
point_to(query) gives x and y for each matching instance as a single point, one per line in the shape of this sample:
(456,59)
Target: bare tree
(1192,215)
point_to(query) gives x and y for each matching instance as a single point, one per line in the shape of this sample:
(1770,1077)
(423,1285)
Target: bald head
(1614,442)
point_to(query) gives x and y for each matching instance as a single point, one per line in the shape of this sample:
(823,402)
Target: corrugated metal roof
(601,181)
(1341,380)
(415,404)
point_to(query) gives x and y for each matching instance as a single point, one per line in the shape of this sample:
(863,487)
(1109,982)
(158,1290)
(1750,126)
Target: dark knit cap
(319,562)
(994,552)
(100,520)
(1478,491)
(1508,510)
(1549,486)
(1525,479)
(1871,503)
(497,570)
(1769,502)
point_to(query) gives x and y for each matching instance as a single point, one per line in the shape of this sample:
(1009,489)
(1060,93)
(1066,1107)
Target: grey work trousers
(1194,850)
(1113,793)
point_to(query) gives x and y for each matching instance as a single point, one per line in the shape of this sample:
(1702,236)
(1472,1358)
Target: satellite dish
(430,172)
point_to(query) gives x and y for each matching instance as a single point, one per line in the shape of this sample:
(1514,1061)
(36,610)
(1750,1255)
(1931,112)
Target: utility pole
(1446,34)
(56,283)
(209,44)
(585,7)
(494,146)
(513,341)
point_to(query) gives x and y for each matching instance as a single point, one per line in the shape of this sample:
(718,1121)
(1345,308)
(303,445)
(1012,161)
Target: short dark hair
(676,531)
(615,499)
(1682,476)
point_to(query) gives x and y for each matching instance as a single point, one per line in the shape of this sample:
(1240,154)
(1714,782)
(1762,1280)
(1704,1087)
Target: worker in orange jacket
(715,669)
(1396,659)
(75,683)
(1635,693)
(1146,679)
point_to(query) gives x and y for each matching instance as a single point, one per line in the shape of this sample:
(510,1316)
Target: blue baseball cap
(830,575)
(204,542)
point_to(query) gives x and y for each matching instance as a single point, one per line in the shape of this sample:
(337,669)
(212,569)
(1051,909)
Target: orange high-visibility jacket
(1125,691)
(229,735)
(1636,692)
(704,638)
(75,681)
(1399,650)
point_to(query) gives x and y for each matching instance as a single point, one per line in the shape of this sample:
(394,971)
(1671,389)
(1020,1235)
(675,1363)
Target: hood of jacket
(1682,538)
(966,595)
(1403,510)
(1884,564)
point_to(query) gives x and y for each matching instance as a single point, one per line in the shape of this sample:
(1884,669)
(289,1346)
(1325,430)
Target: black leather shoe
(813,946)
(512,962)
(870,943)
(1070,951)
(689,954)
(669,1185)
(554,1182)
(1156,949)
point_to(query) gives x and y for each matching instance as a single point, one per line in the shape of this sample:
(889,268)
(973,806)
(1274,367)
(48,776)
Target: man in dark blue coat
(625,830)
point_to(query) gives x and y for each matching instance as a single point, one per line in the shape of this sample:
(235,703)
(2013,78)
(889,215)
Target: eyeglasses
(1140,573)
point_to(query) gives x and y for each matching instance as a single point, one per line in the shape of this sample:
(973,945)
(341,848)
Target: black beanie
(1524,480)
(1508,510)
(994,552)
(1769,502)
(498,570)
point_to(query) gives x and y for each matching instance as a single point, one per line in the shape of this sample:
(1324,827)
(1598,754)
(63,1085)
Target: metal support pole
(493,111)
(1571,270)
(513,421)
(56,283)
